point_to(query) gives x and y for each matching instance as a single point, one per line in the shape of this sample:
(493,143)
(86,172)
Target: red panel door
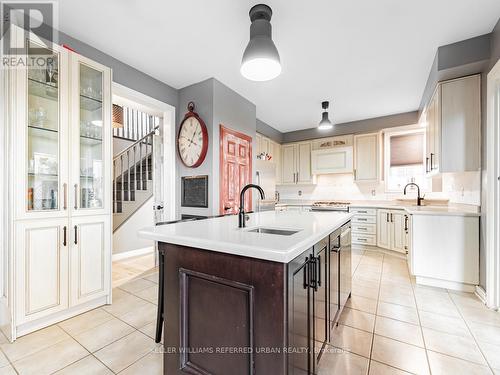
(235,170)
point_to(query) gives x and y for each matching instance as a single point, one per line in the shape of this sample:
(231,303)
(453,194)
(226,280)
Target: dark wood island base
(233,315)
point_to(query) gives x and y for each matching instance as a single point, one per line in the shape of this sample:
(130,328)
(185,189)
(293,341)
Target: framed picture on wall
(194,191)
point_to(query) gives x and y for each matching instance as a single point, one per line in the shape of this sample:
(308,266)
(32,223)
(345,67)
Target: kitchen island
(254,300)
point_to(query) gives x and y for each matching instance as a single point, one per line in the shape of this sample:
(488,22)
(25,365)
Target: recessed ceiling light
(261,60)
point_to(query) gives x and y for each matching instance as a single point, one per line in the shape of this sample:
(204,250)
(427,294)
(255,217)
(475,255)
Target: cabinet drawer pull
(362,212)
(362,219)
(362,228)
(361,239)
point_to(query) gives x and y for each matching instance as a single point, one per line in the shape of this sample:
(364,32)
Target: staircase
(132,179)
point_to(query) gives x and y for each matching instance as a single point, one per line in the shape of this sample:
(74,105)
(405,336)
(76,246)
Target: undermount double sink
(275,231)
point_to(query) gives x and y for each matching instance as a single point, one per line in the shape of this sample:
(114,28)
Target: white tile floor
(390,326)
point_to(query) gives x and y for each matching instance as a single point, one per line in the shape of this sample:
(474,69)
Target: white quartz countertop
(223,235)
(412,209)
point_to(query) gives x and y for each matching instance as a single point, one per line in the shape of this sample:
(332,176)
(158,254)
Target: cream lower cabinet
(41,264)
(391,233)
(90,263)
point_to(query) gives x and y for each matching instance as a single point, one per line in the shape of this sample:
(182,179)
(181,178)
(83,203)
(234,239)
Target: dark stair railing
(132,169)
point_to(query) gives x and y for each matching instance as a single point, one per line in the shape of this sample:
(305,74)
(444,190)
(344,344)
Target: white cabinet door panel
(41,268)
(366,157)
(304,162)
(398,235)
(384,229)
(90,258)
(335,160)
(288,164)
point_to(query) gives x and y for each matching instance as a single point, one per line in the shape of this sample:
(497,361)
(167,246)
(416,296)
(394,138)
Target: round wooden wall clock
(192,140)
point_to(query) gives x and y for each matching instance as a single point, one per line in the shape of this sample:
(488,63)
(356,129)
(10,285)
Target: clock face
(192,142)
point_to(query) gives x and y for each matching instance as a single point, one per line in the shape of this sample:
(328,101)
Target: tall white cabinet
(58,144)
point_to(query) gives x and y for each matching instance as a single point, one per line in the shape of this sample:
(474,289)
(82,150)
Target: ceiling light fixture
(261,60)
(325,123)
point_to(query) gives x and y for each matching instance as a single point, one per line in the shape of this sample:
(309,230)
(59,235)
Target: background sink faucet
(419,198)
(241,213)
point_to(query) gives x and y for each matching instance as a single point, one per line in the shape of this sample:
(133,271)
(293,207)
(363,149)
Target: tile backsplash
(457,187)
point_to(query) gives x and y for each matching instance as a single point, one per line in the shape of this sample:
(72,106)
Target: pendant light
(325,123)
(261,60)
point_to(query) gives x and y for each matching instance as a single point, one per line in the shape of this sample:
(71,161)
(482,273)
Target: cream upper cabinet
(91,137)
(334,160)
(304,175)
(453,118)
(296,163)
(275,151)
(366,157)
(288,175)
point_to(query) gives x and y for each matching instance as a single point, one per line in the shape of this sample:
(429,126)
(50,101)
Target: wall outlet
(300,193)
(374,192)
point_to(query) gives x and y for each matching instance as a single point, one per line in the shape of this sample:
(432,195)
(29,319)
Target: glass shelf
(43,90)
(89,141)
(90,104)
(52,175)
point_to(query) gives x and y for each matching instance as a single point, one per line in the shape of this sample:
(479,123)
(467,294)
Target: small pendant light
(325,123)
(261,60)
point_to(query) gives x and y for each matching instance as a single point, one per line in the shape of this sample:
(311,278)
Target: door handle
(319,269)
(392,218)
(427,165)
(432,162)
(64,235)
(387,218)
(306,274)
(406,222)
(65,196)
(76,197)
(76,235)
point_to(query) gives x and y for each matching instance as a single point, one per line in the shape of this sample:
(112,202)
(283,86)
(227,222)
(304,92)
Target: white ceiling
(369,58)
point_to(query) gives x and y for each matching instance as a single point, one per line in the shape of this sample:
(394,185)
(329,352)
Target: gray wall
(202,94)
(217,105)
(362,126)
(122,73)
(269,131)
(458,59)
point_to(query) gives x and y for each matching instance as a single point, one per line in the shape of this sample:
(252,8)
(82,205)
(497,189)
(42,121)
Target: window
(404,159)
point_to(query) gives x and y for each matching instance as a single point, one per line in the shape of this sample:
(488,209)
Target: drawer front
(364,219)
(363,211)
(364,239)
(364,228)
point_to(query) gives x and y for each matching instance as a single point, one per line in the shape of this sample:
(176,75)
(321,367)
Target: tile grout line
(376,311)
(420,325)
(471,333)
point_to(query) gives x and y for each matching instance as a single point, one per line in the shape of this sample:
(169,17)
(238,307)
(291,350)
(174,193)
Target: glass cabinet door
(43,132)
(91,183)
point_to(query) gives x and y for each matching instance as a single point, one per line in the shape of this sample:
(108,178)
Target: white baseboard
(133,253)
(480,293)
(445,284)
